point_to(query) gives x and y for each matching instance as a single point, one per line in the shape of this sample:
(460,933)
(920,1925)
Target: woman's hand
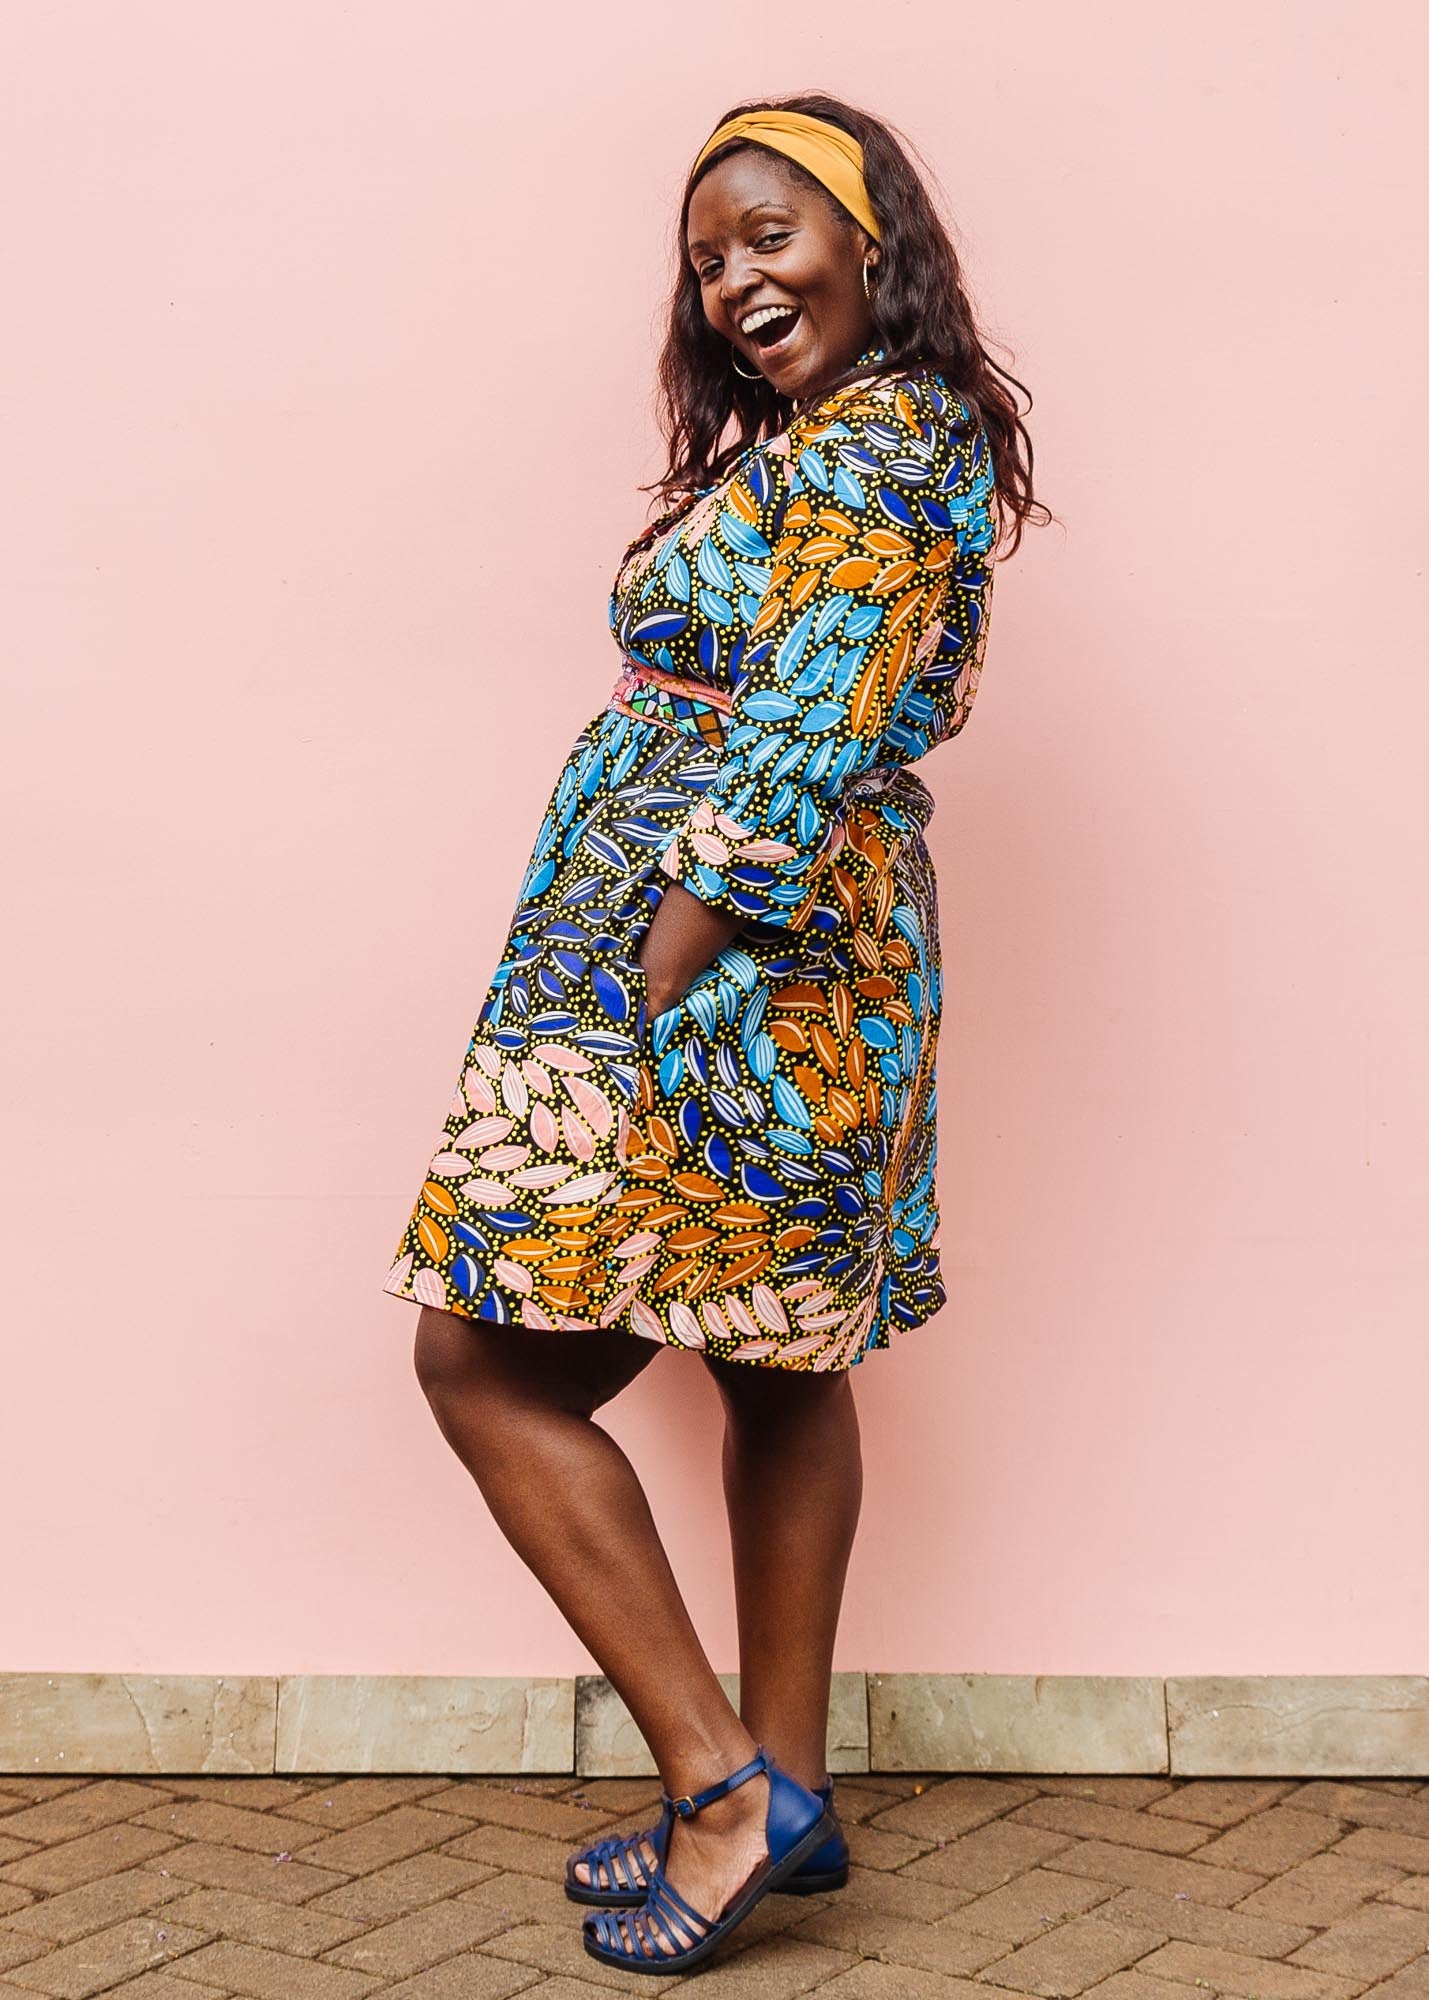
(685,936)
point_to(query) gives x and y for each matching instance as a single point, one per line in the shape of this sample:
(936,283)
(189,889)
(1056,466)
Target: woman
(698,1105)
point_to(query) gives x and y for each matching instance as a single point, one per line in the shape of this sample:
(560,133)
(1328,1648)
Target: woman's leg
(516,1405)
(793,1481)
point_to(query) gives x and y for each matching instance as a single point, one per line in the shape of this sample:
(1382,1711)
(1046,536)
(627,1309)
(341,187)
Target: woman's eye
(766,242)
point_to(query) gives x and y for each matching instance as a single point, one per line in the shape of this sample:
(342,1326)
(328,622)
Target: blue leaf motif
(789,1104)
(700,1002)
(769,706)
(711,565)
(468,1277)
(896,507)
(604,1044)
(608,850)
(791,649)
(743,970)
(812,468)
(813,677)
(759,477)
(865,620)
(727,1066)
(742,538)
(912,471)
(847,671)
(829,616)
(848,491)
(677,579)
(660,625)
(819,761)
(763,1057)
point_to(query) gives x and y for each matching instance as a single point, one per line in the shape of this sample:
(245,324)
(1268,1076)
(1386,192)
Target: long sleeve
(852,556)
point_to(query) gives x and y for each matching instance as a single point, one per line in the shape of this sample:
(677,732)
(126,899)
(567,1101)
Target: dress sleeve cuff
(734,869)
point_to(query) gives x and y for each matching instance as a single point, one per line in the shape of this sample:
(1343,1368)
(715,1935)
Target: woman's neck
(870,358)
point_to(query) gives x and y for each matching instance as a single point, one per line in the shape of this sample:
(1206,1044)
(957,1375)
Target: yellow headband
(830,154)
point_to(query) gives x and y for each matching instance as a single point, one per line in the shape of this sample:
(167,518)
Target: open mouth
(776,333)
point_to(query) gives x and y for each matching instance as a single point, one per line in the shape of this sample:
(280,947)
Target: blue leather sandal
(617,1864)
(665,1934)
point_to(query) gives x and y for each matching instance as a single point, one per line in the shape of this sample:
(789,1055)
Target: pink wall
(309,311)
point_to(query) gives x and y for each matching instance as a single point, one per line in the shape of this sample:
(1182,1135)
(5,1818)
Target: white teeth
(763,317)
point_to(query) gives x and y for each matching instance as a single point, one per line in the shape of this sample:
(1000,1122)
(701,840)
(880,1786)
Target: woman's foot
(746,1850)
(621,1866)
(644,1856)
(709,1859)
(713,1855)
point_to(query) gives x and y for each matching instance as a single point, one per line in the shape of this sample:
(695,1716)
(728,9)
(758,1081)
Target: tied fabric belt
(694,708)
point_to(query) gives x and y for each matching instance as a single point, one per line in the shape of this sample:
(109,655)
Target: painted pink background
(327,366)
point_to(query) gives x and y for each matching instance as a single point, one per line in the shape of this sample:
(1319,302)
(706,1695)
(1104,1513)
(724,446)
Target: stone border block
(1064,1723)
(608,1744)
(478,1725)
(136,1724)
(1299,1725)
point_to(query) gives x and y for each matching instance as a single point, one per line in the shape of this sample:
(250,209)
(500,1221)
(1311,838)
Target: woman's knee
(759,1398)
(497,1369)
(442,1353)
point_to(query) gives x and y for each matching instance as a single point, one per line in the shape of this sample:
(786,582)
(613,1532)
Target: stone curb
(1270,1725)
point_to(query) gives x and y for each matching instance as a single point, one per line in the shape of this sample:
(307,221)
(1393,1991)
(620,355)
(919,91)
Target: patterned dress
(750,1173)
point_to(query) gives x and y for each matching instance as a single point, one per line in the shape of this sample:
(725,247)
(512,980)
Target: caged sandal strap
(617,1864)
(666,1934)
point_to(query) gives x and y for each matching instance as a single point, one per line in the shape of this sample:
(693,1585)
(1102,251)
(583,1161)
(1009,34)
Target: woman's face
(758,239)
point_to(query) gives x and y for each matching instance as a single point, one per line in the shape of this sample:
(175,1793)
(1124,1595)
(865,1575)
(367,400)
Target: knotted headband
(826,151)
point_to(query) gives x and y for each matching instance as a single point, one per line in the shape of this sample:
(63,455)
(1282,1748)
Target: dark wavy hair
(921,314)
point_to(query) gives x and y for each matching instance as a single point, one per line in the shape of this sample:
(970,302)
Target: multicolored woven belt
(694,708)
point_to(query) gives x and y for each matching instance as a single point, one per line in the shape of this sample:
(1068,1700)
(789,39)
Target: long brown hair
(922,319)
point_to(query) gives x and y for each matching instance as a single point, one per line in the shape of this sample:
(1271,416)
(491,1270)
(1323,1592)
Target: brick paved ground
(979,1888)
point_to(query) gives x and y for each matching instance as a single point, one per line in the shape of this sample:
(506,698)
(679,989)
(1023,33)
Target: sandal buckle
(685,1806)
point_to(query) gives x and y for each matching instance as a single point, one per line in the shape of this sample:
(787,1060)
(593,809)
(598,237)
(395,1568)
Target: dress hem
(890,1328)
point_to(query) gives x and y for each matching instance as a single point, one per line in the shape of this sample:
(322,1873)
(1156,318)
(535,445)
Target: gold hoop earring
(866,292)
(757,376)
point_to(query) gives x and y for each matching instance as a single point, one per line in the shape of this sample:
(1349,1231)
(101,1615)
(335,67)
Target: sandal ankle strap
(690,1803)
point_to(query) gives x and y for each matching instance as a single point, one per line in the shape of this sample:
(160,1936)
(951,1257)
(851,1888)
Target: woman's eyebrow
(777,207)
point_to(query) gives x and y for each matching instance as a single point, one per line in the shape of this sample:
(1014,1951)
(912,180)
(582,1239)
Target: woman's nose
(741,280)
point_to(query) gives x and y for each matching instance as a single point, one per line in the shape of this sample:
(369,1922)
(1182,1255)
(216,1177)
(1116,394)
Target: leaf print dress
(750,1173)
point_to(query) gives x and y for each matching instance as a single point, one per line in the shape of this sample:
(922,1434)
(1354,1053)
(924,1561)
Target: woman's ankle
(694,1768)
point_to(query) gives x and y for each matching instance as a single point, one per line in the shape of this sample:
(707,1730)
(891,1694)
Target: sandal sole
(670,1963)
(813,1885)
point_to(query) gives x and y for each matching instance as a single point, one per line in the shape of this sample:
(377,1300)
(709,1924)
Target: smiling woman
(699,1105)
(782,275)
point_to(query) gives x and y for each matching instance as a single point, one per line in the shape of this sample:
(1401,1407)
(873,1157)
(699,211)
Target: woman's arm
(685,936)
